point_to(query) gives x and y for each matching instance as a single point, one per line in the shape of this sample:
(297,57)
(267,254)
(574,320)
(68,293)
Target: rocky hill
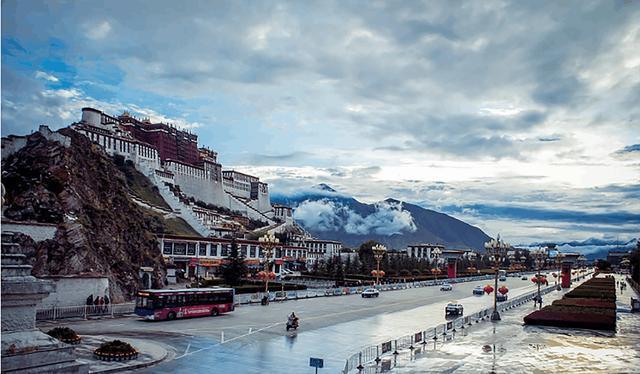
(329,214)
(80,189)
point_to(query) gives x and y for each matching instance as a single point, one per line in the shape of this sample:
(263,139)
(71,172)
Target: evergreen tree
(235,269)
(338,271)
(347,264)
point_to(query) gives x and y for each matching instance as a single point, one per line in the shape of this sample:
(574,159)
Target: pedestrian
(106,303)
(96,304)
(88,303)
(101,304)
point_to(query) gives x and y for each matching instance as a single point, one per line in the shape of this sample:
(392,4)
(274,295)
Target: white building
(424,251)
(320,249)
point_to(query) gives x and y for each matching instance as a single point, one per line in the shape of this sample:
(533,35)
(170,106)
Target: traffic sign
(316,363)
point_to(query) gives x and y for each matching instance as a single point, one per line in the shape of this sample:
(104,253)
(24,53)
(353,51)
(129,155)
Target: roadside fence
(445,331)
(83,311)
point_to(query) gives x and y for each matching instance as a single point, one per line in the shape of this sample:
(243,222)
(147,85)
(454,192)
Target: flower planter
(65,335)
(116,350)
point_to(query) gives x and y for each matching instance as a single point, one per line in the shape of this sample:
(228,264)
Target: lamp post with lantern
(268,242)
(497,248)
(378,254)
(539,258)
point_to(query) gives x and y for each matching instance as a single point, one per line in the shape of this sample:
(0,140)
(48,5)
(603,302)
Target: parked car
(453,309)
(502,279)
(524,278)
(446,287)
(479,290)
(370,292)
(500,297)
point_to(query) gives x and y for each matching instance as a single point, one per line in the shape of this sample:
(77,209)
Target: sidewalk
(150,354)
(509,346)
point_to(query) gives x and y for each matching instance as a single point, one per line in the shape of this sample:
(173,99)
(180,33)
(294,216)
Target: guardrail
(373,353)
(83,311)
(256,298)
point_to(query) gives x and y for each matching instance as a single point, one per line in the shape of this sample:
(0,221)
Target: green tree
(235,269)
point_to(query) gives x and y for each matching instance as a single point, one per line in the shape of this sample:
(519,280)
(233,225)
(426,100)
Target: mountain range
(329,214)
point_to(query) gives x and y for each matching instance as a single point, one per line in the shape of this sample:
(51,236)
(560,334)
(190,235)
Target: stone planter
(72,341)
(104,356)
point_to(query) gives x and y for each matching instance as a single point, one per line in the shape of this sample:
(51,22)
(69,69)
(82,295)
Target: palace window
(179,248)
(202,250)
(167,249)
(225,250)
(191,249)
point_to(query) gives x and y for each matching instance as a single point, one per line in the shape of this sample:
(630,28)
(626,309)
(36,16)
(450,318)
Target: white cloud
(45,76)
(326,215)
(98,31)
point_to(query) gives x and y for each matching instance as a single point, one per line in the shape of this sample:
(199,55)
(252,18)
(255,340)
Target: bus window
(144,302)
(180,300)
(158,302)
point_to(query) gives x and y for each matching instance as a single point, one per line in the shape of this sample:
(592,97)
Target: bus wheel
(171,316)
(214,312)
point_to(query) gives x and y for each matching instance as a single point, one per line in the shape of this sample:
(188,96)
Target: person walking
(106,303)
(96,304)
(88,303)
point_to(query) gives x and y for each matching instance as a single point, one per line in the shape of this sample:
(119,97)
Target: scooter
(292,325)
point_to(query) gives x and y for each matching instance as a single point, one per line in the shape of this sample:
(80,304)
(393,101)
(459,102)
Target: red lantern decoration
(374,272)
(488,289)
(382,273)
(503,290)
(534,279)
(262,274)
(272,275)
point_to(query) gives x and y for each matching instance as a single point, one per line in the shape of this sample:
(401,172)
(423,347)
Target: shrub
(115,347)
(64,334)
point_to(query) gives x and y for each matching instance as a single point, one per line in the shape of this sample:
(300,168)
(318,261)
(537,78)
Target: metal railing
(256,298)
(373,353)
(84,311)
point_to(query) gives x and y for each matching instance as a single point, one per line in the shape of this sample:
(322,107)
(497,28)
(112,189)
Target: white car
(479,290)
(446,287)
(453,308)
(370,292)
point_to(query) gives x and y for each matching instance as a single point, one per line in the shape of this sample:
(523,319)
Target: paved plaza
(253,339)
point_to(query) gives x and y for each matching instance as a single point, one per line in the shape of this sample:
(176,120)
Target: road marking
(228,340)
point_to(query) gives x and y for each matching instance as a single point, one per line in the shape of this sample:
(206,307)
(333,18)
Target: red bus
(189,302)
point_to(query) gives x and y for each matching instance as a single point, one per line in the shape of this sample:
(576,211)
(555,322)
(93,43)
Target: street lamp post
(436,255)
(498,251)
(378,253)
(559,258)
(268,242)
(539,256)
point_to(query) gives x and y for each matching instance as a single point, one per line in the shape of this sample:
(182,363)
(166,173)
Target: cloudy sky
(519,117)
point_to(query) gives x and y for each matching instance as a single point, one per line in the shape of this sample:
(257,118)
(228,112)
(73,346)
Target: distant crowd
(98,305)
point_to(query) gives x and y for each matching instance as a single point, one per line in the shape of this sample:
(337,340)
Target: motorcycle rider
(292,320)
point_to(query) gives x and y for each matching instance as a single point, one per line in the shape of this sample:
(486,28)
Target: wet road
(253,338)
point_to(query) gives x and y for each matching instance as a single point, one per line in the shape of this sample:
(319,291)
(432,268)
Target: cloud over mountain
(326,215)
